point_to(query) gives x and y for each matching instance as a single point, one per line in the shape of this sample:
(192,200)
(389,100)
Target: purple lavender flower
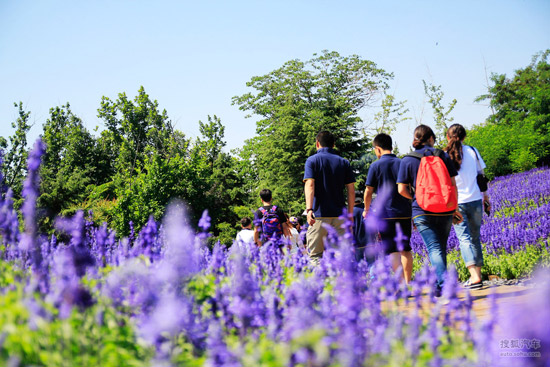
(218,353)
(30,194)
(204,222)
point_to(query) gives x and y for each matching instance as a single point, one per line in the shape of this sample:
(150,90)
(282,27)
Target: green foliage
(504,265)
(136,130)
(294,103)
(98,336)
(516,137)
(14,167)
(72,166)
(392,114)
(441,113)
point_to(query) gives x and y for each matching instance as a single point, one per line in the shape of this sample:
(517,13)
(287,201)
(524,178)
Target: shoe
(469,285)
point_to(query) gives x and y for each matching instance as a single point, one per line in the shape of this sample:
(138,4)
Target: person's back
(271,220)
(382,177)
(246,235)
(471,201)
(394,211)
(331,173)
(466,181)
(326,175)
(433,227)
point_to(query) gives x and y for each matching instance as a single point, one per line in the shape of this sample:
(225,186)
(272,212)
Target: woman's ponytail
(422,134)
(456,134)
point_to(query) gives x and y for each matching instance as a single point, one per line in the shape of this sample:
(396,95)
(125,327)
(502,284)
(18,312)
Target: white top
(246,236)
(295,237)
(466,182)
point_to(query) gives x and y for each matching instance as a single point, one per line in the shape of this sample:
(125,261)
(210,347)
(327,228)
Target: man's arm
(309,189)
(403,190)
(257,236)
(369,190)
(351,198)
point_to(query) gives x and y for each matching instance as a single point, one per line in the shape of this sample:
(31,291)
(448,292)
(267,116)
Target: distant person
(270,219)
(434,227)
(360,236)
(471,200)
(394,216)
(326,176)
(246,234)
(296,242)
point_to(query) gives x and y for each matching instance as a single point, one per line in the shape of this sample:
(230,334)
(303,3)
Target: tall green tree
(298,100)
(516,137)
(72,165)
(136,130)
(15,159)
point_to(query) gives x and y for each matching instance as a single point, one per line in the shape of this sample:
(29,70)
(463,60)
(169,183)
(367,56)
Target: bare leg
(407,262)
(474,276)
(478,271)
(395,261)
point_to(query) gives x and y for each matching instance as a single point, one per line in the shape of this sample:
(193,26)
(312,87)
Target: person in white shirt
(246,235)
(471,201)
(295,240)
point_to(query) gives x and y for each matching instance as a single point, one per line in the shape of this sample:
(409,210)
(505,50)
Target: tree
(15,160)
(441,113)
(298,100)
(516,137)
(136,130)
(71,165)
(392,114)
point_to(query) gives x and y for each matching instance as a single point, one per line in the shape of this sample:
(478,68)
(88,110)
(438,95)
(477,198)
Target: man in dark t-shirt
(326,176)
(277,228)
(393,214)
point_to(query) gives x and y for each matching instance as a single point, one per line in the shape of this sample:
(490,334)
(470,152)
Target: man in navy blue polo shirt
(393,214)
(325,177)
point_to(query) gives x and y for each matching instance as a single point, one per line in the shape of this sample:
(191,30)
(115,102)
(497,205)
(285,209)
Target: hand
(457,217)
(365,213)
(310,217)
(487,205)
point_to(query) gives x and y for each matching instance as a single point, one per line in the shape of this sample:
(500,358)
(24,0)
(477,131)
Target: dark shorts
(388,234)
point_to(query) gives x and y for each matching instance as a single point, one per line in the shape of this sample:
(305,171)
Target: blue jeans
(468,233)
(434,231)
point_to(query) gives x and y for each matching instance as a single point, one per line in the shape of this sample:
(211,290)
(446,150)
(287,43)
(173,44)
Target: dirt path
(481,301)
(505,294)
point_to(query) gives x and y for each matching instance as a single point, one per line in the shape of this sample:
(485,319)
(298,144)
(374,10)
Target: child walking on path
(395,213)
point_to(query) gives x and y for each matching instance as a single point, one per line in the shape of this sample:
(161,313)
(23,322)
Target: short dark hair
(245,222)
(325,139)
(265,194)
(383,141)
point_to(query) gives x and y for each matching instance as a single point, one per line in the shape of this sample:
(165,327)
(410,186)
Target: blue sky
(194,56)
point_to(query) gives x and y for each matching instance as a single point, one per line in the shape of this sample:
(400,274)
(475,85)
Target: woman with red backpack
(427,176)
(471,200)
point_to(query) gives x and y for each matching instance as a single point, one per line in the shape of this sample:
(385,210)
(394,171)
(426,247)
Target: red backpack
(434,190)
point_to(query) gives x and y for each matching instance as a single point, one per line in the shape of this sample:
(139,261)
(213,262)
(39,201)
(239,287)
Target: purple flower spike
(204,222)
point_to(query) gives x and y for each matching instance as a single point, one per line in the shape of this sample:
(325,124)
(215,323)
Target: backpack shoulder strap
(262,210)
(438,153)
(273,209)
(415,155)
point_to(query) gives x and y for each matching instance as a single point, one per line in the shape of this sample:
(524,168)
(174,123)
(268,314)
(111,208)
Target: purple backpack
(271,226)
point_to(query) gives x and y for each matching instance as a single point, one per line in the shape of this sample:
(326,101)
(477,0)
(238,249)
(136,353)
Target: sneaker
(469,285)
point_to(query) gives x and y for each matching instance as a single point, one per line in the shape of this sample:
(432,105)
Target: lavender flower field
(161,297)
